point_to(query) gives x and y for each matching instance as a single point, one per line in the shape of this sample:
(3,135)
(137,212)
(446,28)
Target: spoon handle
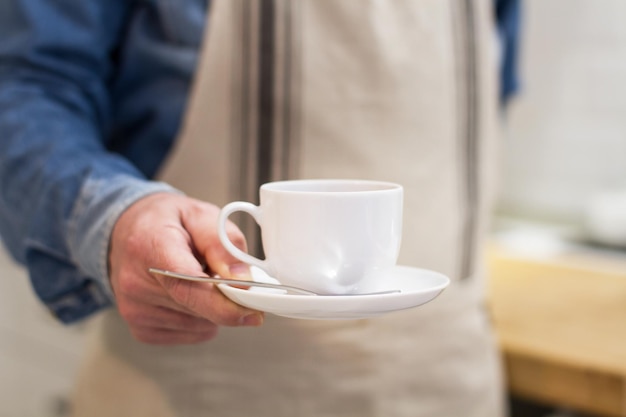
(241,282)
(238,282)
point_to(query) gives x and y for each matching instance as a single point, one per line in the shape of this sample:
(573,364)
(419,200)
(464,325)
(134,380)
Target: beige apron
(399,90)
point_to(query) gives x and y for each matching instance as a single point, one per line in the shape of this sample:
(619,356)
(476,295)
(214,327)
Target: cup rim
(331,186)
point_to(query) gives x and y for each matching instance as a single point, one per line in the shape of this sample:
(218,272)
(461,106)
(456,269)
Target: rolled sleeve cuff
(99,207)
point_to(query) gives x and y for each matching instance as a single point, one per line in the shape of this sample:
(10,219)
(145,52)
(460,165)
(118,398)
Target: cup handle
(225,213)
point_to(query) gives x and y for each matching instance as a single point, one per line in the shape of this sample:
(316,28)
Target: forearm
(60,189)
(61,194)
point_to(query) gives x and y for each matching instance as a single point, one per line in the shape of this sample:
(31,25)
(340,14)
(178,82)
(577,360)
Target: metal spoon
(241,282)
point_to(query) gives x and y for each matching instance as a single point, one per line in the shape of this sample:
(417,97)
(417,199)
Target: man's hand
(179,234)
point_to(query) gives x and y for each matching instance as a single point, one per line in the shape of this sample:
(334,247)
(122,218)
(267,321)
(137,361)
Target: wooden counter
(562,327)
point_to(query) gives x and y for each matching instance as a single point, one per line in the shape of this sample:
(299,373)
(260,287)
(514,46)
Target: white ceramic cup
(328,236)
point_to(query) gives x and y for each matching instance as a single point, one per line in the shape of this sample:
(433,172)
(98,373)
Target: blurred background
(561,215)
(557,256)
(565,137)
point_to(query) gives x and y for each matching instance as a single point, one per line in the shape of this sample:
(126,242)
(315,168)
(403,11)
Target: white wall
(566,134)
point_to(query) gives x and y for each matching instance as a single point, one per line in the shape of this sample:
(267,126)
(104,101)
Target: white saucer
(417,287)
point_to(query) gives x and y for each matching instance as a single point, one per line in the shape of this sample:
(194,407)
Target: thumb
(202,228)
(238,270)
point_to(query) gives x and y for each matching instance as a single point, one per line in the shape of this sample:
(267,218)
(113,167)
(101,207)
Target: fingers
(165,314)
(157,325)
(166,310)
(206,300)
(201,223)
(172,328)
(202,299)
(163,318)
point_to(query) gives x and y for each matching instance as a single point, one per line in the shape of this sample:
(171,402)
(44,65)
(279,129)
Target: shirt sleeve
(508,18)
(61,190)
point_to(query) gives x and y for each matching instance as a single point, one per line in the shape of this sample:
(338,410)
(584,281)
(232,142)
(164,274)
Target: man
(91,98)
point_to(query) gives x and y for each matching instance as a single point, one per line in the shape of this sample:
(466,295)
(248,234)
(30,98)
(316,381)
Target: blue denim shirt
(91,98)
